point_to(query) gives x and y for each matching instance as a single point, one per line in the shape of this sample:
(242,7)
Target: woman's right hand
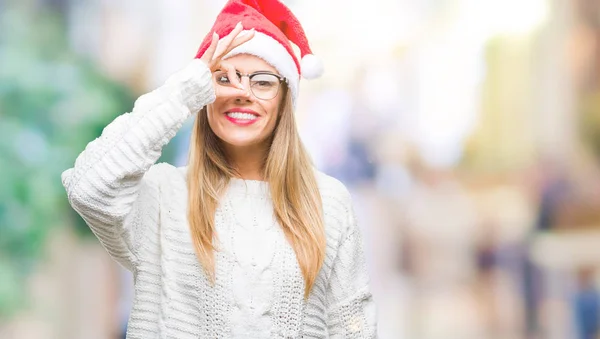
(219,48)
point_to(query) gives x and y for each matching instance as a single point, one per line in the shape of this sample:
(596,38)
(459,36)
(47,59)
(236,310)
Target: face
(238,117)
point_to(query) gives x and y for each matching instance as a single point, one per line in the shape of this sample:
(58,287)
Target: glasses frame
(240,75)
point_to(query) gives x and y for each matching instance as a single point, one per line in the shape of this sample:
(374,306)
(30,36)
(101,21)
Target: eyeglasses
(264,85)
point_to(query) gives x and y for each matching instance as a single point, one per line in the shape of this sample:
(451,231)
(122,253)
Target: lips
(241,116)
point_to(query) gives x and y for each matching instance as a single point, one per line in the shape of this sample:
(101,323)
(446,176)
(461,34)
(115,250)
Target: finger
(232,75)
(226,41)
(210,51)
(240,39)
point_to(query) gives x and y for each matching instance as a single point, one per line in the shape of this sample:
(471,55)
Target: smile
(241,118)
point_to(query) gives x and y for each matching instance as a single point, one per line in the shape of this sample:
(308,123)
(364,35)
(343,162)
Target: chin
(243,141)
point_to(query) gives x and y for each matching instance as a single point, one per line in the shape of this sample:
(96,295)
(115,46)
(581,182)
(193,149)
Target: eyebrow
(259,71)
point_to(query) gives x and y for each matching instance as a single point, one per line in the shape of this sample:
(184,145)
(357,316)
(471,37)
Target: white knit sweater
(138,212)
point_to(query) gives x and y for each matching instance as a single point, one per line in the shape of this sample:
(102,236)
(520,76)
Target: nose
(243,95)
(246,93)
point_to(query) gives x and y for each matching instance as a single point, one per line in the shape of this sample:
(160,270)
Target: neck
(247,161)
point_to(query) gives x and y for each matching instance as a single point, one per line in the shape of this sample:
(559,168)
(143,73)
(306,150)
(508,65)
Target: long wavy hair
(293,187)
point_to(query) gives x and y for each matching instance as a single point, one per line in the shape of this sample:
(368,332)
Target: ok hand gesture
(219,48)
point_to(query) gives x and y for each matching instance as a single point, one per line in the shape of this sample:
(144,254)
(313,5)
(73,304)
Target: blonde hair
(293,187)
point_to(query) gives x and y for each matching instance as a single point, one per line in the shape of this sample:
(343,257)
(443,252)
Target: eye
(223,79)
(264,81)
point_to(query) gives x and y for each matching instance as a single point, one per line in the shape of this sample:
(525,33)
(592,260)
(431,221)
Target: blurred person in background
(248,240)
(553,191)
(586,305)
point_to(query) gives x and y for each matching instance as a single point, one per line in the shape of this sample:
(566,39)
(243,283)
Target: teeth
(241,116)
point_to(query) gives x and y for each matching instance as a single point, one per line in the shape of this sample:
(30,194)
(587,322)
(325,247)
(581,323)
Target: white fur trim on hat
(273,52)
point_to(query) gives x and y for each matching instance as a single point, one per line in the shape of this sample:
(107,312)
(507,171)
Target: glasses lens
(264,86)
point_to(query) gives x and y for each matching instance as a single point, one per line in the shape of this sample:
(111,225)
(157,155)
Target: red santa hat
(276,29)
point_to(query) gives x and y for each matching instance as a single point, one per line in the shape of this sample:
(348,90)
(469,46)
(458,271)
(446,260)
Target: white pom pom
(312,67)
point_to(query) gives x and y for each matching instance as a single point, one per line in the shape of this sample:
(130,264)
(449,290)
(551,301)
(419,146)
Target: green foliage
(52,103)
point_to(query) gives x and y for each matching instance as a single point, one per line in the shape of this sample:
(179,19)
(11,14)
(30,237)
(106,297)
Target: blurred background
(468,132)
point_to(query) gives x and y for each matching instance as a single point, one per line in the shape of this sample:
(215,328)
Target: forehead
(247,63)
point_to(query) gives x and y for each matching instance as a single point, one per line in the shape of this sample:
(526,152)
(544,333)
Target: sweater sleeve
(351,310)
(111,185)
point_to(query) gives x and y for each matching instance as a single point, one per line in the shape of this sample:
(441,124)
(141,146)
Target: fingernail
(239,24)
(215,35)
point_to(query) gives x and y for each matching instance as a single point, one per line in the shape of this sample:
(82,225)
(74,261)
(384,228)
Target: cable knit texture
(138,211)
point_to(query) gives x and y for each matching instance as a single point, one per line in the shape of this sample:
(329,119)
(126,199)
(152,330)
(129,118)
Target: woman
(248,240)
